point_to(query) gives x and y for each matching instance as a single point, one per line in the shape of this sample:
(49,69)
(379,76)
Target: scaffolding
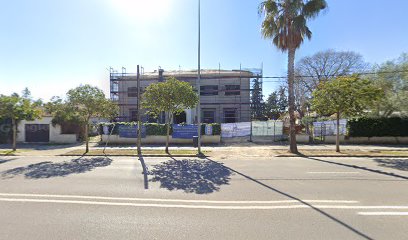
(225,98)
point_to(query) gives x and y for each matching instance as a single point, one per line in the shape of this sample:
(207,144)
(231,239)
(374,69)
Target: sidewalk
(225,151)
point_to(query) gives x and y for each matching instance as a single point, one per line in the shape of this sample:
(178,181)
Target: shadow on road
(145,171)
(386,163)
(6,160)
(399,164)
(50,169)
(191,175)
(359,233)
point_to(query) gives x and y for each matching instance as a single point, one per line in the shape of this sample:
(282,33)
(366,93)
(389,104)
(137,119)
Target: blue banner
(184,131)
(126,131)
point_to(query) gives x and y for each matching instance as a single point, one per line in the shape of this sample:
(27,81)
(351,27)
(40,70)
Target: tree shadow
(329,216)
(191,175)
(6,160)
(399,164)
(145,171)
(378,171)
(50,169)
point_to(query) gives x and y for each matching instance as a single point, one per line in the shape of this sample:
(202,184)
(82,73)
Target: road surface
(185,198)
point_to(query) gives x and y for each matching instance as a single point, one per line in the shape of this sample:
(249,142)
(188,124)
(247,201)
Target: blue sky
(51,46)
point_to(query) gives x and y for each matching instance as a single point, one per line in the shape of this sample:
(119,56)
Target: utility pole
(198,80)
(139,135)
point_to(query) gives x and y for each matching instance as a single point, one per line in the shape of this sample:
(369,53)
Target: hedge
(216,127)
(378,127)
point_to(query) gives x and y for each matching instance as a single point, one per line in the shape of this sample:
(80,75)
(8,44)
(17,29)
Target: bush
(378,127)
(156,129)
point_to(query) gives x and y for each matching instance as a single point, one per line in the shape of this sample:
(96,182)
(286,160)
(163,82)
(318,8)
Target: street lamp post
(198,81)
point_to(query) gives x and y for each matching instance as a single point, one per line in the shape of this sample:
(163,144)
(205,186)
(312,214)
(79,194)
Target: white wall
(55,132)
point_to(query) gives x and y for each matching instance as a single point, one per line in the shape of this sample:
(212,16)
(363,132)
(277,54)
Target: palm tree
(285,23)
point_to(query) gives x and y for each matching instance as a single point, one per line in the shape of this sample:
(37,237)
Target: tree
(170,97)
(257,106)
(285,23)
(392,77)
(19,108)
(276,104)
(329,64)
(322,66)
(345,96)
(80,105)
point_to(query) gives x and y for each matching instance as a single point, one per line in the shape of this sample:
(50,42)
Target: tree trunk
(291,98)
(86,137)
(168,133)
(14,128)
(338,133)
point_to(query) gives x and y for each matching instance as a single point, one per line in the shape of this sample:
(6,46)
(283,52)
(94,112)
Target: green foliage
(171,96)
(286,21)
(156,129)
(216,127)
(276,104)
(378,127)
(345,96)
(392,77)
(82,103)
(19,108)
(257,107)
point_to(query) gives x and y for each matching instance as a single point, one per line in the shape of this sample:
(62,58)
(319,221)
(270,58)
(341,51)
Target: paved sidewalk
(230,150)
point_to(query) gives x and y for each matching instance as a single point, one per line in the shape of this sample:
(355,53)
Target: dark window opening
(208,116)
(209,90)
(232,90)
(230,115)
(132,92)
(133,114)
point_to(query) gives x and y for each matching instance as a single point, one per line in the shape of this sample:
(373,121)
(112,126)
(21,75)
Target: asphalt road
(247,198)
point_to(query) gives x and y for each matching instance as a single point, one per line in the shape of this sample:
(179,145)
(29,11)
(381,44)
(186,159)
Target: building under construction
(225,95)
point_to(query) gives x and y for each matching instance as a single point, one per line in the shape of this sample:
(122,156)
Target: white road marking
(333,172)
(171,200)
(197,206)
(383,213)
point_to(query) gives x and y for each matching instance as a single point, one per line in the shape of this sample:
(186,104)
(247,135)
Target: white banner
(229,130)
(329,128)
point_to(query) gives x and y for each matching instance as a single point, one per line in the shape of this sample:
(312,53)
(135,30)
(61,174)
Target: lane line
(171,200)
(383,213)
(333,172)
(302,206)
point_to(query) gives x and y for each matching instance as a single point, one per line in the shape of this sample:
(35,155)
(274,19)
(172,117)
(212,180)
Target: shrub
(378,127)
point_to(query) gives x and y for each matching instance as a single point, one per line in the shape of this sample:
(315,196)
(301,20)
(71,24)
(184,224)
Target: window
(208,116)
(133,114)
(132,91)
(232,90)
(230,115)
(209,90)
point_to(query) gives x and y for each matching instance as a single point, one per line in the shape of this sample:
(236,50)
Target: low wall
(356,140)
(377,140)
(206,139)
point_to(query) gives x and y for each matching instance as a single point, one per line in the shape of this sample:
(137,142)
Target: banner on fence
(267,128)
(126,131)
(184,131)
(208,130)
(329,128)
(229,130)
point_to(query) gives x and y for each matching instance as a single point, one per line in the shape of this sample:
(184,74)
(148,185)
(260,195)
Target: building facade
(224,94)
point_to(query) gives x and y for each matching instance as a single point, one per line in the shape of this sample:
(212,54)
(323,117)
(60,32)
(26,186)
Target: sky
(52,46)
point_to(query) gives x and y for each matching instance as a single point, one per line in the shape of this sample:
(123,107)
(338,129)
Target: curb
(128,155)
(348,156)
